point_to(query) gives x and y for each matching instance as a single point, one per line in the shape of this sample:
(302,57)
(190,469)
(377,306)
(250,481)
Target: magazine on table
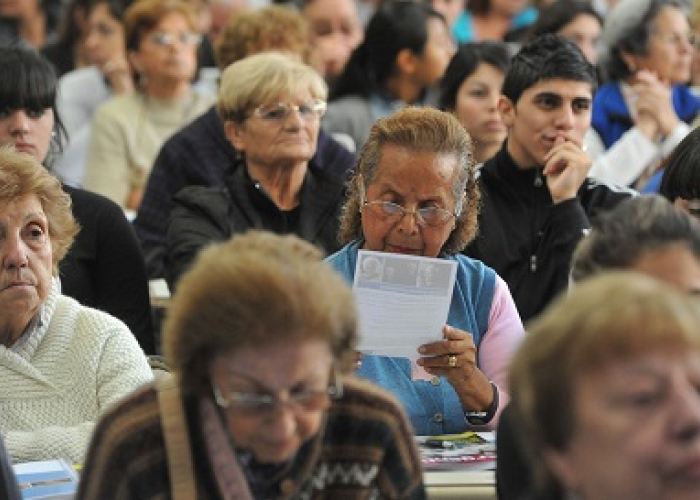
(466,451)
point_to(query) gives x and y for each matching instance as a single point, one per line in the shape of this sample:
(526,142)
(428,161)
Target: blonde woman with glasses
(271,106)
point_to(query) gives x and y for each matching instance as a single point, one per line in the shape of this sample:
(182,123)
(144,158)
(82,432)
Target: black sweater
(526,238)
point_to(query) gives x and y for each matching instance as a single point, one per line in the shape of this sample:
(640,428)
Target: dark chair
(513,473)
(9,488)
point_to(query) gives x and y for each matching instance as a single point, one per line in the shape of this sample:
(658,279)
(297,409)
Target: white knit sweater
(61,375)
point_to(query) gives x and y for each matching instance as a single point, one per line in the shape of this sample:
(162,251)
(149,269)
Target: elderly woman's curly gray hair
(420,130)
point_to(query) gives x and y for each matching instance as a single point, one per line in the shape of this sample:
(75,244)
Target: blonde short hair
(269,28)
(261,78)
(581,333)
(21,175)
(258,288)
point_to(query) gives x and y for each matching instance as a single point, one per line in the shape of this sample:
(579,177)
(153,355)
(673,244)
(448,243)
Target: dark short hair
(117,8)
(621,236)
(556,16)
(681,177)
(547,57)
(465,62)
(29,82)
(396,25)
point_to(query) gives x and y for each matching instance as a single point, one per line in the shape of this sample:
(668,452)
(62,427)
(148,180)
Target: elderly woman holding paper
(415,193)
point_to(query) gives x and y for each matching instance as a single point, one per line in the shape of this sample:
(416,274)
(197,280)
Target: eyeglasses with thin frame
(278,112)
(164,39)
(673,38)
(392,212)
(253,404)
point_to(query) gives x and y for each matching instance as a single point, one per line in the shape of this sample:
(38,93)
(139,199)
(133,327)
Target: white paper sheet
(403,301)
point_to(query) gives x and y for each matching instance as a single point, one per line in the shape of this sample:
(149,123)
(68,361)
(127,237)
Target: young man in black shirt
(536,197)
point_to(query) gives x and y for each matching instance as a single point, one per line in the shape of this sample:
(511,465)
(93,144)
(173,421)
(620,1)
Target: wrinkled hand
(454,358)
(566,166)
(655,99)
(457,344)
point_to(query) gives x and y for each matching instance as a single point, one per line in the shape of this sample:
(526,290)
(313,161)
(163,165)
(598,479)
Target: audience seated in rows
(104,268)
(646,234)
(201,154)
(62,364)
(536,199)
(406,49)
(257,414)
(128,130)
(415,192)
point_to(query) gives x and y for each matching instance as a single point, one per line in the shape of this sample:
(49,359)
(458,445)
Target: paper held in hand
(403,301)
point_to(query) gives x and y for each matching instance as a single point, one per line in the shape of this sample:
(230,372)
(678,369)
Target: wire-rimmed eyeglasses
(252,404)
(393,212)
(165,39)
(278,112)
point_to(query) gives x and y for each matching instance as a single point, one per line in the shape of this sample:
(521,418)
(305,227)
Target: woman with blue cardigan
(415,193)
(643,112)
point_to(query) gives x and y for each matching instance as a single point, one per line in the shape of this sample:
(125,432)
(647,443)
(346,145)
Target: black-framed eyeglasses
(278,112)
(256,404)
(164,39)
(388,211)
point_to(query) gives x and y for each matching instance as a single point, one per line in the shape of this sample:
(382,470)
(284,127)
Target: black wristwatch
(484,417)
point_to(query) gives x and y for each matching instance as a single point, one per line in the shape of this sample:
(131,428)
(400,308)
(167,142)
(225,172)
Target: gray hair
(627,28)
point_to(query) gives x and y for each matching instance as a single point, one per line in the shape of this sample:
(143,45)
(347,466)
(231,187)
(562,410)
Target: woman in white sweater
(61,364)
(128,130)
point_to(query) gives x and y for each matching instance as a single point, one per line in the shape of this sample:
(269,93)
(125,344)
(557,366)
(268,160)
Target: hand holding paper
(403,301)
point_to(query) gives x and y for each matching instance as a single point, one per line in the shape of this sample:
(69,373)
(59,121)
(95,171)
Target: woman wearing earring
(643,112)
(128,131)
